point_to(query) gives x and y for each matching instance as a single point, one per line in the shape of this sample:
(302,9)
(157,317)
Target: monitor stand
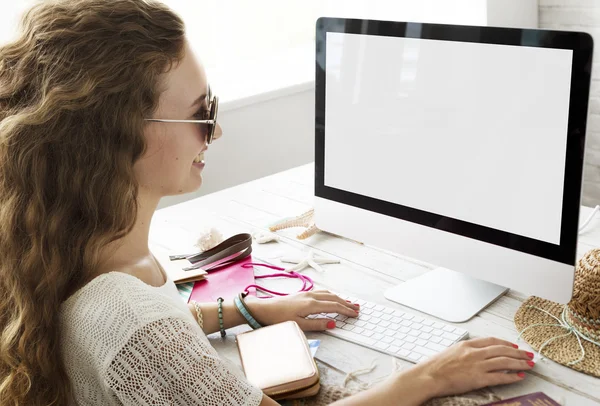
(446,294)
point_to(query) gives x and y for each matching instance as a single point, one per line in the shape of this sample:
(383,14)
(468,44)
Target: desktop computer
(460,146)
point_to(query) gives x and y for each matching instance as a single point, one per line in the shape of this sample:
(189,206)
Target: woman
(87,315)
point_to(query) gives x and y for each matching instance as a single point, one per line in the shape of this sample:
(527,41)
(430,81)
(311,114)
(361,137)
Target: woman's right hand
(474,364)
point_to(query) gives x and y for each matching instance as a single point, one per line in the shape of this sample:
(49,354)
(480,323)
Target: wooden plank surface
(364,272)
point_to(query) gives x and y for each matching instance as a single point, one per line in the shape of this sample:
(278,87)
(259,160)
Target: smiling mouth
(199,158)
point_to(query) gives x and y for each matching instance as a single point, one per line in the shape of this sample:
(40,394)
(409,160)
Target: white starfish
(309,261)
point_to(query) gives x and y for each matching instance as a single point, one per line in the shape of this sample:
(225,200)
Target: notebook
(226,282)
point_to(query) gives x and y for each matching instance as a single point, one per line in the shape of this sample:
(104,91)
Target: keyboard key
(371,326)
(386,317)
(350,320)
(426,329)
(366,310)
(396,320)
(394,326)
(416,326)
(435,347)
(339,324)
(400,336)
(361,302)
(364,317)
(425,336)
(398,313)
(360,323)
(378,308)
(407,316)
(460,332)
(377,336)
(418,319)
(384,323)
(388,310)
(436,340)
(403,352)
(407,323)
(450,336)
(393,349)
(410,339)
(408,346)
(348,327)
(427,322)
(379,329)
(405,330)
(438,325)
(425,351)
(438,333)
(331,315)
(388,340)
(446,343)
(414,333)
(367,333)
(382,346)
(349,335)
(369,305)
(419,342)
(449,329)
(341,317)
(358,330)
(414,356)
(375,320)
(390,333)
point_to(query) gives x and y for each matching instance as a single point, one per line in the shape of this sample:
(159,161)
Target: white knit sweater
(125,342)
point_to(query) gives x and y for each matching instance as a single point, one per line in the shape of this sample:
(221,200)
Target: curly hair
(75,87)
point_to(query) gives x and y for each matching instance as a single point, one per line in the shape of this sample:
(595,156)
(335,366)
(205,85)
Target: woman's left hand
(297,306)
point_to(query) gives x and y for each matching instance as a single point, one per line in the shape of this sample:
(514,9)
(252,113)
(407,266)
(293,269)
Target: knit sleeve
(168,362)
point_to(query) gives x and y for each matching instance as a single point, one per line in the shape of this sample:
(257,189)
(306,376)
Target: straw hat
(568,334)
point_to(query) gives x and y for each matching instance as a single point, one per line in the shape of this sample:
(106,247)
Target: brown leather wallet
(277,360)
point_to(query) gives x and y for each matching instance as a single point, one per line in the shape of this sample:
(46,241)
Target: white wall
(582,15)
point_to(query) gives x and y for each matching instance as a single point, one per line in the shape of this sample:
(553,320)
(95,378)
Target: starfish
(305,220)
(309,261)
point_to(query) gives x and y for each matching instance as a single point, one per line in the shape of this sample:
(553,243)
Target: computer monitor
(460,146)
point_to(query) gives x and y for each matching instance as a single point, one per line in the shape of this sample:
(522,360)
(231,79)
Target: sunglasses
(208,125)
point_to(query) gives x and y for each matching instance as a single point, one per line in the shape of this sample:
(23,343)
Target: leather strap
(231,250)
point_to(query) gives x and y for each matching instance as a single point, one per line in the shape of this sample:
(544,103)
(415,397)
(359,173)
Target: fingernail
(357,305)
(529,354)
(348,301)
(530,363)
(521,374)
(331,324)
(515,345)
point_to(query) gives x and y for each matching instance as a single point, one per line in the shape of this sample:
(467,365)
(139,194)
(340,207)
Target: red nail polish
(530,363)
(529,354)
(521,374)
(357,305)
(348,301)
(515,345)
(331,324)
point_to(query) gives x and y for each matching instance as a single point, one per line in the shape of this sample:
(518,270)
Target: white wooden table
(364,272)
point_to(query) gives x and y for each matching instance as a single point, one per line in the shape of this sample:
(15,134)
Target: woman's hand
(475,364)
(296,307)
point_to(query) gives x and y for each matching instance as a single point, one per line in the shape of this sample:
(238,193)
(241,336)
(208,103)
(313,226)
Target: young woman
(87,316)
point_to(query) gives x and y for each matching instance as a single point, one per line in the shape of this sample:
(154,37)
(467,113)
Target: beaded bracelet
(221,327)
(199,317)
(241,306)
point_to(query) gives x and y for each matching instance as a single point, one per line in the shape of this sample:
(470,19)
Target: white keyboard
(394,332)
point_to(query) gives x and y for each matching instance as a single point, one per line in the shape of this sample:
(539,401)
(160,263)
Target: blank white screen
(476,132)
